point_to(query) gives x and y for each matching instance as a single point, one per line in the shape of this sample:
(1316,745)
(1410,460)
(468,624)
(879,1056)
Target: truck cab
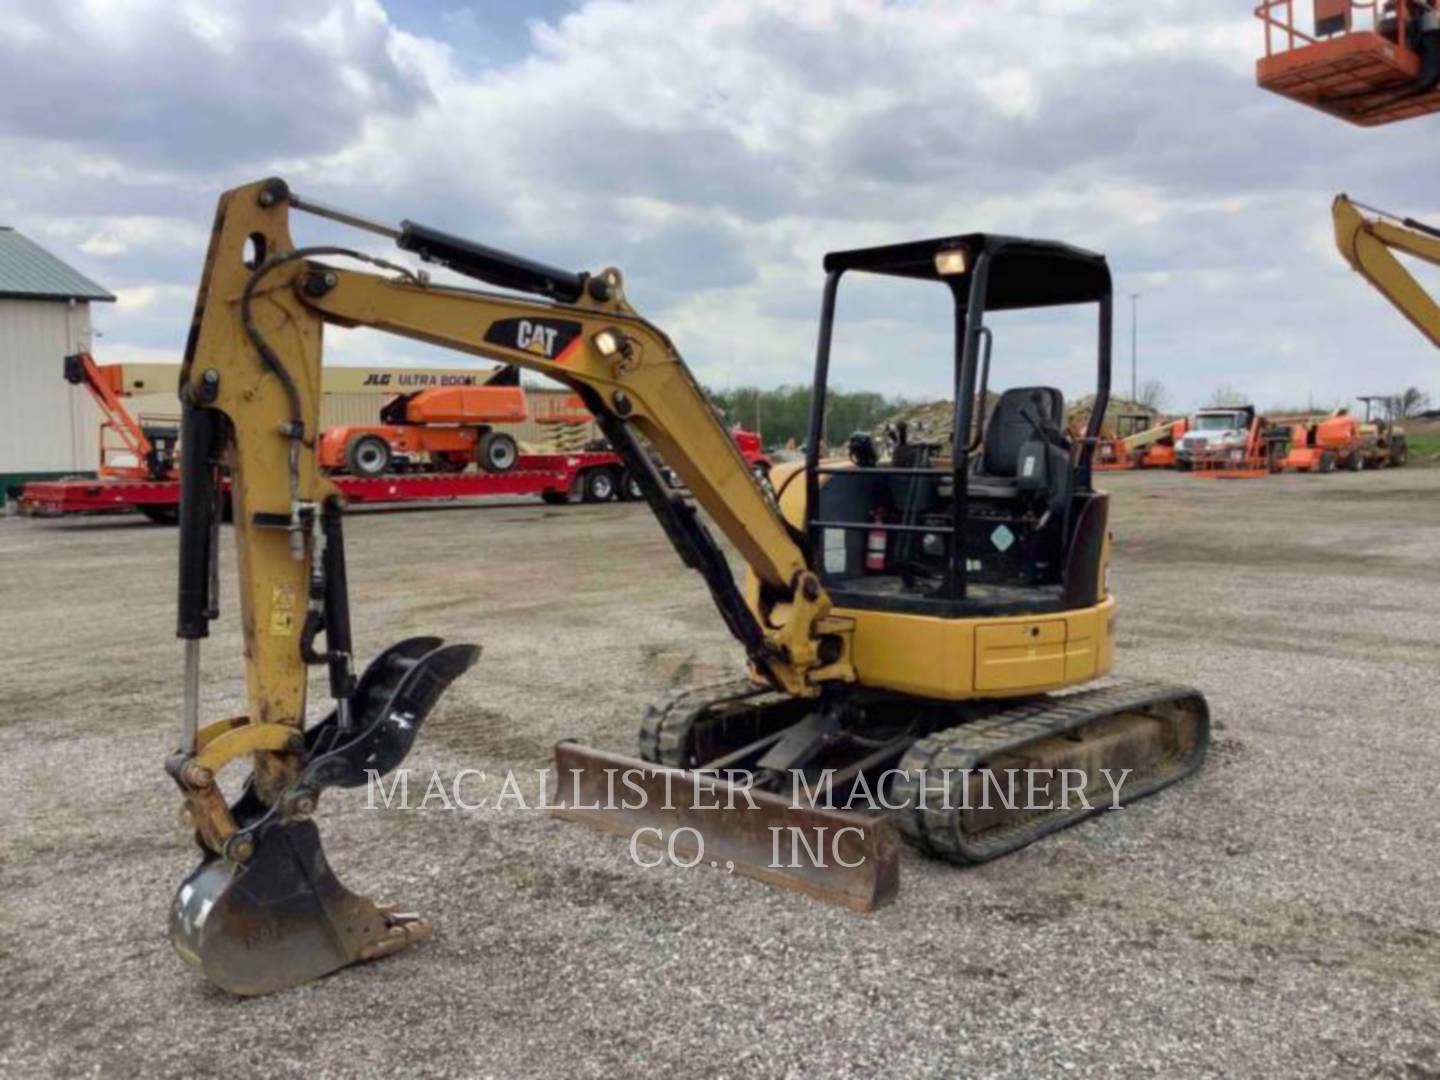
(1216,429)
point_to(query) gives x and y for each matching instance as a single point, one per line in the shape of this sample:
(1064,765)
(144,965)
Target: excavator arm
(263,911)
(1370,244)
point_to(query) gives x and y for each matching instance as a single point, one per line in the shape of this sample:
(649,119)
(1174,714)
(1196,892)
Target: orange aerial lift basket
(1368,63)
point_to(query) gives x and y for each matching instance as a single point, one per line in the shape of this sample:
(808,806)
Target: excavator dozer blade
(833,855)
(280,919)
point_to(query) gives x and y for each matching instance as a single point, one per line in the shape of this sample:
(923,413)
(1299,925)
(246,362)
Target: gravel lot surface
(1277,915)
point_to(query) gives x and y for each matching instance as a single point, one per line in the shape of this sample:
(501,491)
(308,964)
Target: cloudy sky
(715,149)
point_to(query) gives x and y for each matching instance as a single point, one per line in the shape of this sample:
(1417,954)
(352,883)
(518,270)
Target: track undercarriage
(812,794)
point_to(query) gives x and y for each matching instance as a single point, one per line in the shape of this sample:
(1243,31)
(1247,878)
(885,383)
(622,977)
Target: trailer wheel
(1327,461)
(598,485)
(161,515)
(1356,461)
(497,452)
(630,490)
(367,455)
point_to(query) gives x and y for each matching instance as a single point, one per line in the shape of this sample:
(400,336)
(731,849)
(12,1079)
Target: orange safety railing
(1336,18)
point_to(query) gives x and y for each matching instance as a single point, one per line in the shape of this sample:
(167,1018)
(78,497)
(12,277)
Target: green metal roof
(29,272)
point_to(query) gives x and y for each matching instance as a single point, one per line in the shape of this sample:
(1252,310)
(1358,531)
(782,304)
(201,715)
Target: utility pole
(1134,342)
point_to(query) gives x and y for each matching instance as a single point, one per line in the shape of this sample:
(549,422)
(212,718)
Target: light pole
(1134,341)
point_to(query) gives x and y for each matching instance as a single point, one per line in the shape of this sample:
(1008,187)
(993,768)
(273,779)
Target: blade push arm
(1369,245)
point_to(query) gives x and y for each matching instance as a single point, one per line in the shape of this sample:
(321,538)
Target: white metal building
(47,427)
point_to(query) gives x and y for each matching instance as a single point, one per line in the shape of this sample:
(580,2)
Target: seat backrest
(1008,430)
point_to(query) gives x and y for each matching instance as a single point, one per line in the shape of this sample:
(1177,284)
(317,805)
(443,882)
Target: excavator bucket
(840,857)
(270,913)
(280,919)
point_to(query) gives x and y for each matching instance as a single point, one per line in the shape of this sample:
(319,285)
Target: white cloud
(715,149)
(147,298)
(102,244)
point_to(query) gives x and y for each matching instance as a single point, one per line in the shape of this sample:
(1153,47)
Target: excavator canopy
(1033,273)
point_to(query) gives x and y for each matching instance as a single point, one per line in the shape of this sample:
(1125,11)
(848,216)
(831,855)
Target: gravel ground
(1277,915)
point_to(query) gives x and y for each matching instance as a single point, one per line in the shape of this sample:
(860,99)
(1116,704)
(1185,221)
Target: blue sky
(715,149)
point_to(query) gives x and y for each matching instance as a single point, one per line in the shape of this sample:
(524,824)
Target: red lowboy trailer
(593,477)
(146,483)
(556,478)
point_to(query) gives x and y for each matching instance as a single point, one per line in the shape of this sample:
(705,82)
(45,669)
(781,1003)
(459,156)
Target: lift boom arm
(1369,245)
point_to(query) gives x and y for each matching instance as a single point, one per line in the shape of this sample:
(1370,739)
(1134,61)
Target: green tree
(783,413)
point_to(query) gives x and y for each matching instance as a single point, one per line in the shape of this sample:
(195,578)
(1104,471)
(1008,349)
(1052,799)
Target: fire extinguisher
(875,551)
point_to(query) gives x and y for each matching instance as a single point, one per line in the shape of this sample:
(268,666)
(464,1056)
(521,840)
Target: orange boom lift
(1368,63)
(1141,447)
(439,429)
(130,449)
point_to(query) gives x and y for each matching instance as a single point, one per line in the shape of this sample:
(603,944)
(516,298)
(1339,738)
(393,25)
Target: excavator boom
(1370,243)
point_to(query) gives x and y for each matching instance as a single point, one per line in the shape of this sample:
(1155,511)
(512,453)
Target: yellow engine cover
(957,658)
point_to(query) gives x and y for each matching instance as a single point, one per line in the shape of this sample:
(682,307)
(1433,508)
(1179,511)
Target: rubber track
(937,832)
(665,730)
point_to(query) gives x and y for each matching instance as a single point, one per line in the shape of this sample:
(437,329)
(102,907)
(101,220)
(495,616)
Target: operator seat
(1011,439)
(1026,459)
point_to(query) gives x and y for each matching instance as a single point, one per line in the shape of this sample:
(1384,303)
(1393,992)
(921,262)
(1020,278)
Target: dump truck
(1228,435)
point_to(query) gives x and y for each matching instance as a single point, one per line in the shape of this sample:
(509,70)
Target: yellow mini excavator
(918,611)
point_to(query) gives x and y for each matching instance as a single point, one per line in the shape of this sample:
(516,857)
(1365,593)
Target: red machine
(748,443)
(441,429)
(1370,63)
